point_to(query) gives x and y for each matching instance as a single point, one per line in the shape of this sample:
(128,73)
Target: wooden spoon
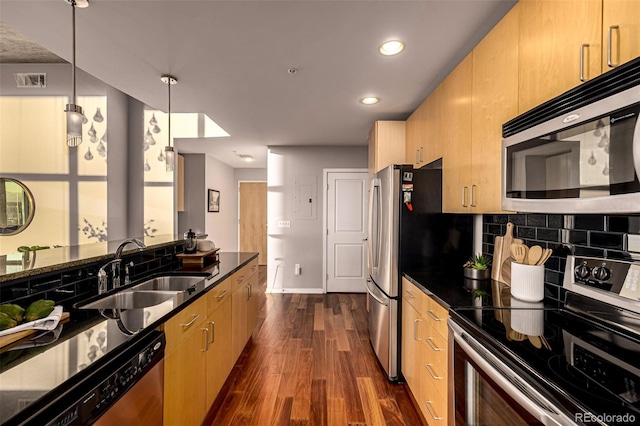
(546,254)
(535,341)
(519,252)
(535,253)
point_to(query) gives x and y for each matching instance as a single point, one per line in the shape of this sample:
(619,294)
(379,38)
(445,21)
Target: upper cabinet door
(621,32)
(456,138)
(387,140)
(424,131)
(494,101)
(560,44)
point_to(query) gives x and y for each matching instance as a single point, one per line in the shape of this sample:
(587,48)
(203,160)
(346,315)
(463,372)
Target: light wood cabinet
(219,356)
(456,138)
(434,357)
(412,324)
(184,366)
(425,352)
(494,101)
(244,307)
(424,131)
(620,32)
(204,341)
(387,141)
(560,43)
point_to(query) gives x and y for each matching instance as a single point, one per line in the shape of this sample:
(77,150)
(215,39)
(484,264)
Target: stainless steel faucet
(115,266)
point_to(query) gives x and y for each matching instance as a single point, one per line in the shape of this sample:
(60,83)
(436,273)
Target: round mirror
(16,206)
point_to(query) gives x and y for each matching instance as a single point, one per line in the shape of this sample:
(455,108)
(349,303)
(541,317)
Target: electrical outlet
(284,224)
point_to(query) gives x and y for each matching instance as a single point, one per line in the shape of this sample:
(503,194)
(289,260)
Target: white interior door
(346,231)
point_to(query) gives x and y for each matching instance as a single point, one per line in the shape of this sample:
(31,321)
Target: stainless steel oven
(490,391)
(517,362)
(579,152)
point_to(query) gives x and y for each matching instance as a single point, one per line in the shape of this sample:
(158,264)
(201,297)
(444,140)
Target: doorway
(345,241)
(252,218)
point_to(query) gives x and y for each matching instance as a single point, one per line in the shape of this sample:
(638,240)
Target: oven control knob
(601,273)
(583,271)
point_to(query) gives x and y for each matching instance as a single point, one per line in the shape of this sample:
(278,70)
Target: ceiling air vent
(31,79)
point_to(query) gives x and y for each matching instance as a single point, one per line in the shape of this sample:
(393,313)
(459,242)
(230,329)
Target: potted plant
(477,267)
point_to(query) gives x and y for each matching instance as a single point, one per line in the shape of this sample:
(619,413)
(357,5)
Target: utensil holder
(527,282)
(527,317)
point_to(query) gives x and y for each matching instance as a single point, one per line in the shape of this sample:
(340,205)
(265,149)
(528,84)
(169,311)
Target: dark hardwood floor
(310,363)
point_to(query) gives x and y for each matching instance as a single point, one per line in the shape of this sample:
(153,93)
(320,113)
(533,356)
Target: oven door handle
(518,389)
(636,148)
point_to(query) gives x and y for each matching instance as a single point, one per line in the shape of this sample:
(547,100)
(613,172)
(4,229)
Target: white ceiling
(231,60)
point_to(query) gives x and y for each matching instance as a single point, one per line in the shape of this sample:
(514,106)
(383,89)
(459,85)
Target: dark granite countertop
(453,291)
(87,342)
(20,265)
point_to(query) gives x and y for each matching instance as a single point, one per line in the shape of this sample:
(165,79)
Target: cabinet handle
(431,411)
(213,332)
(410,295)
(224,293)
(190,323)
(415,329)
(582,78)
(417,156)
(432,315)
(609,45)
(206,339)
(473,203)
(240,278)
(421,150)
(431,372)
(464,196)
(434,347)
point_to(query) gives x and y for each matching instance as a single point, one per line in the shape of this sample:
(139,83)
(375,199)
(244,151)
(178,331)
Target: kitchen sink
(188,284)
(131,300)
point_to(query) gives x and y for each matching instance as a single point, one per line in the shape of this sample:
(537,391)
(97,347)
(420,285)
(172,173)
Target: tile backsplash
(588,235)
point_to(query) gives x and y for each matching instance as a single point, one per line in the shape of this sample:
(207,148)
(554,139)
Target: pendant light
(75,116)
(169,154)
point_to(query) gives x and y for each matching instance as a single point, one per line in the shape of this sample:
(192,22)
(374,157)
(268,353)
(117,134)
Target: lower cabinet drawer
(218,295)
(433,395)
(438,315)
(185,321)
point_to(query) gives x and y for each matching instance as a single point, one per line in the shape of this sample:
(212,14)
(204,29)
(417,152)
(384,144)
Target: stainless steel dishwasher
(126,390)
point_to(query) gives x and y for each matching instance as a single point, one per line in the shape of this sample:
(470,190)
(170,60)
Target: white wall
(222,227)
(302,241)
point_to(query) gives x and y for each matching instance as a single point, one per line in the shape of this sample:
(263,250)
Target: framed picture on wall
(214,201)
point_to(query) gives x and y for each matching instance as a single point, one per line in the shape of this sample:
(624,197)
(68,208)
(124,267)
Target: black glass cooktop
(587,366)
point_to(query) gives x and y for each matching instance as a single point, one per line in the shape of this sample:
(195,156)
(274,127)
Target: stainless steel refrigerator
(407,231)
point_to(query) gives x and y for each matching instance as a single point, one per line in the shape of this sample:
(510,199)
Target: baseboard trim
(295,290)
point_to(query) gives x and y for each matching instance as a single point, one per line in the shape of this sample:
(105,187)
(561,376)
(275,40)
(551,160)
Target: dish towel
(47,323)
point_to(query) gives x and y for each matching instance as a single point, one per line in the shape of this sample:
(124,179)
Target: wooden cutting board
(199,259)
(10,340)
(505,254)
(505,271)
(496,263)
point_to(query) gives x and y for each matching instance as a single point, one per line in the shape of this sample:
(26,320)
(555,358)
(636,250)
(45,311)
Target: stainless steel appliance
(388,211)
(540,364)
(126,390)
(407,231)
(579,152)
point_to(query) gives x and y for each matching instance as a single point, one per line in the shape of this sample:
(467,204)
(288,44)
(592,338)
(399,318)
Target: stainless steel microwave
(579,152)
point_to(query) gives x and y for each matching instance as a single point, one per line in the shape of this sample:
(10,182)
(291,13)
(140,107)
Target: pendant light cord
(73,48)
(169,84)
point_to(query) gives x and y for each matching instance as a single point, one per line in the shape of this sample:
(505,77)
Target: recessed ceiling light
(391,47)
(369,100)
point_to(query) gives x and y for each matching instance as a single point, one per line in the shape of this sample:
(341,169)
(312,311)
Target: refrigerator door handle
(373,246)
(376,298)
